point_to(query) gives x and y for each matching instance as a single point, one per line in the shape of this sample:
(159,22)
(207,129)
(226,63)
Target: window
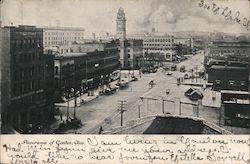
(56,70)
(32,85)
(15,88)
(38,83)
(33,56)
(231,82)
(32,71)
(22,73)
(22,88)
(242,83)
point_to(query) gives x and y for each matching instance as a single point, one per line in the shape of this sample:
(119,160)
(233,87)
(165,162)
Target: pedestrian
(61,116)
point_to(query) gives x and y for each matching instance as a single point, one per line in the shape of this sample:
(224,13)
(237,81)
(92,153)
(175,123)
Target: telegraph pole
(121,106)
(139,111)
(67,105)
(196,73)
(162,106)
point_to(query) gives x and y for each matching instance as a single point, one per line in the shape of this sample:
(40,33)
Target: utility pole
(75,98)
(122,104)
(139,111)
(67,105)
(196,73)
(179,106)
(162,106)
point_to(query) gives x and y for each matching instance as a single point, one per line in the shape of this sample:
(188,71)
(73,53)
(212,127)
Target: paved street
(103,111)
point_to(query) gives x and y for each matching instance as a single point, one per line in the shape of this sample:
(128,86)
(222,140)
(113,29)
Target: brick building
(231,50)
(84,70)
(27,80)
(134,51)
(231,75)
(183,46)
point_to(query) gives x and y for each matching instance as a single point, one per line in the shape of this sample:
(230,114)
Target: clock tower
(121,35)
(121,24)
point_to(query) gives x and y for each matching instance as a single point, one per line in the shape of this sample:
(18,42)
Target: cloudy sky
(99,16)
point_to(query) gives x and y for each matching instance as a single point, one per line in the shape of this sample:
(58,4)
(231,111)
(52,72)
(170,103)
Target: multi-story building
(232,50)
(27,79)
(230,75)
(160,46)
(227,64)
(134,51)
(183,46)
(85,69)
(130,50)
(121,35)
(235,108)
(54,36)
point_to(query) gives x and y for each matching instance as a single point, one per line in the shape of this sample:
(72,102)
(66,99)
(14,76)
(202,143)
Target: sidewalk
(83,98)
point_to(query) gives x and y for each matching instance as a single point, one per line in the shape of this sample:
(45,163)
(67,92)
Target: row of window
(159,40)
(24,73)
(158,49)
(63,38)
(27,57)
(164,45)
(26,43)
(64,33)
(26,87)
(228,51)
(232,82)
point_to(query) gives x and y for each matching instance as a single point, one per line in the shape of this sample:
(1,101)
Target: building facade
(30,73)
(183,46)
(121,24)
(160,46)
(85,71)
(230,75)
(121,35)
(232,50)
(54,36)
(134,51)
(236,108)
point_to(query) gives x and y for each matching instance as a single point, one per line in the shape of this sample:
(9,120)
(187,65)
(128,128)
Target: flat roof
(219,67)
(61,28)
(65,55)
(235,92)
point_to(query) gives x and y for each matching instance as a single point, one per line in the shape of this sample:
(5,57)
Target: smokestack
(107,34)
(93,35)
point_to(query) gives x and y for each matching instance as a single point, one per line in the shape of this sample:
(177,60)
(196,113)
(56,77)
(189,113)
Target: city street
(103,112)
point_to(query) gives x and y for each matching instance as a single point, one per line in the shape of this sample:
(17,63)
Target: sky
(99,16)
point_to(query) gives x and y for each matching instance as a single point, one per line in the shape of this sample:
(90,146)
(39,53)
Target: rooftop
(61,28)
(169,124)
(65,55)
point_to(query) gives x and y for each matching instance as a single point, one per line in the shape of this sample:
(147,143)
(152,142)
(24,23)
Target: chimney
(93,35)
